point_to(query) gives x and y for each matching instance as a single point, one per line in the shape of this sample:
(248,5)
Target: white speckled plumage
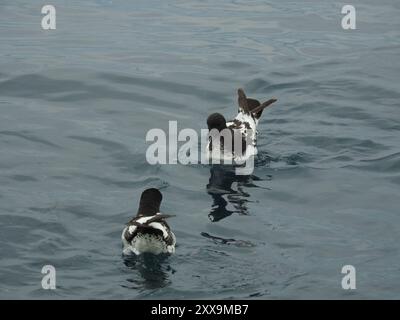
(145,242)
(249,134)
(148,232)
(245,122)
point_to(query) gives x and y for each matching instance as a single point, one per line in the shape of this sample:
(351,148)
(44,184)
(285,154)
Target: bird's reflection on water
(153,271)
(226,187)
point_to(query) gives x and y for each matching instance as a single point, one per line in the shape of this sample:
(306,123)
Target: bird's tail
(252,106)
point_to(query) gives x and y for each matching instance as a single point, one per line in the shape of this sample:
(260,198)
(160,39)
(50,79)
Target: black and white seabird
(148,231)
(245,123)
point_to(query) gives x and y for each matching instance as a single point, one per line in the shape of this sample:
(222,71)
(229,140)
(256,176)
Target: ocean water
(76,104)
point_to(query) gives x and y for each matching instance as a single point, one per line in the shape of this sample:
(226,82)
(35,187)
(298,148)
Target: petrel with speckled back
(148,231)
(243,126)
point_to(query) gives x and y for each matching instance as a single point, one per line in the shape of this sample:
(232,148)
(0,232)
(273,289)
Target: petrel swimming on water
(148,231)
(242,127)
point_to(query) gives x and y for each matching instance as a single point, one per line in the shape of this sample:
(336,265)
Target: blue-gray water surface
(77,102)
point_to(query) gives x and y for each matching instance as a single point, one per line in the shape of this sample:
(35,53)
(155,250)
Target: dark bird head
(216,121)
(150,202)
